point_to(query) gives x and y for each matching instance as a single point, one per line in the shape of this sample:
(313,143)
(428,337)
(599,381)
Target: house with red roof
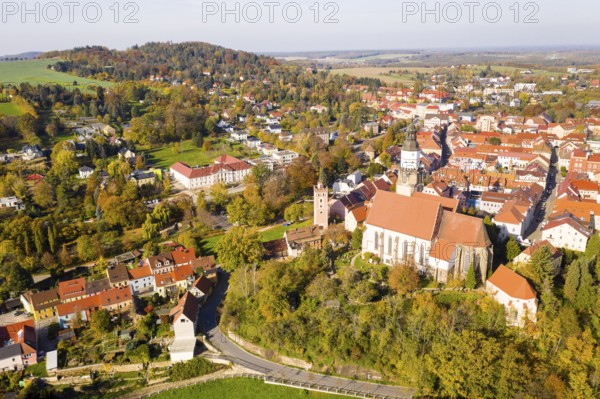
(565,230)
(18,346)
(514,292)
(185,322)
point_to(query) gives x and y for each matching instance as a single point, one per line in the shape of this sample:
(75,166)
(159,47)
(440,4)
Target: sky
(294,26)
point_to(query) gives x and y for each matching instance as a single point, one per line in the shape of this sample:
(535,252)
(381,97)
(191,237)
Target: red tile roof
(71,288)
(115,296)
(408,215)
(511,283)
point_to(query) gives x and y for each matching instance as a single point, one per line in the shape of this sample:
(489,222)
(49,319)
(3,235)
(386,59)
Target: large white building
(226,169)
(566,231)
(516,295)
(418,229)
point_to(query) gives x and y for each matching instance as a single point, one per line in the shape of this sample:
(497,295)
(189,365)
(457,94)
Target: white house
(567,231)
(85,172)
(239,136)
(201,288)
(141,280)
(514,219)
(516,295)
(185,319)
(285,157)
(12,202)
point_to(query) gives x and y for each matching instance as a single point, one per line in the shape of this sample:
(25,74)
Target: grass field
(36,71)
(242,389)
(165,156)
(208,245)
(378,73)
(277,232)
(10,109)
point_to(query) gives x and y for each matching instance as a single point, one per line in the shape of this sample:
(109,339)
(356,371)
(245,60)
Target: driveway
(277,372)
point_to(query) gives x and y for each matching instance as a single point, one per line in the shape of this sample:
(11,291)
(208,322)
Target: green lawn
(277,232)
(10,109)
(240,388)
(36,71)
(186,152)
(208,245)
(37,370)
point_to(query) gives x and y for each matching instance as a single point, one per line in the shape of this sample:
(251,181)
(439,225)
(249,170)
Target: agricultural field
(10,109)
(36,71)
(383,73)
(240,388)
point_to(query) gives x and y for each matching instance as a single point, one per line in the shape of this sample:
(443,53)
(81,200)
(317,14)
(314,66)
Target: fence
(327,389)
(276,381)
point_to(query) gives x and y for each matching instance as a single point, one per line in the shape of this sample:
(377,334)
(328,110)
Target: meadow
(382,73)
(36,71)
(241,388)
(10,109)
(188,153)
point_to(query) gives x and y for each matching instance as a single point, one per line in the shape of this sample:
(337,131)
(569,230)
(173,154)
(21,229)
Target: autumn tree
(403,279)
(43,194)
(240,246)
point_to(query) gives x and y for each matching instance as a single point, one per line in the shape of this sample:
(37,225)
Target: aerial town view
(299,200)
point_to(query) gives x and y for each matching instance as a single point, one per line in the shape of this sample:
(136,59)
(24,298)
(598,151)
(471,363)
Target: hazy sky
(375,24)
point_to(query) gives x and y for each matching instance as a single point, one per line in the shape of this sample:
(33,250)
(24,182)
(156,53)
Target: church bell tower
(410,173)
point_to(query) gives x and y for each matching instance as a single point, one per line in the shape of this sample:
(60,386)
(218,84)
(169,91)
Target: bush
(196,367)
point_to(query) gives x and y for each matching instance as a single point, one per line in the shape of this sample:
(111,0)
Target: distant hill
(20,57)
(164,61)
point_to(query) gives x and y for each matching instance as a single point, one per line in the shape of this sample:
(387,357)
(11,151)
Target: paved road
(234,353)
(546,208)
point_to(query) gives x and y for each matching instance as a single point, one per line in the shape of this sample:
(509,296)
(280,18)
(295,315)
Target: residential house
(116,300)
(118,275)
(12,202)
(285,157)
(356,217)
(556,256)
(567,231)
(72,290)
(42,305)
(85,172)
(202,288)
(514,219)
(516,295)
(179,279)
(185,323)
(299,239)
(142,178)
(19,346)
(141,280)
(127,155)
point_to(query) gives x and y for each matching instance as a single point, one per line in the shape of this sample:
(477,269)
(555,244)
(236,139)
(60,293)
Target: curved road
(231,351)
